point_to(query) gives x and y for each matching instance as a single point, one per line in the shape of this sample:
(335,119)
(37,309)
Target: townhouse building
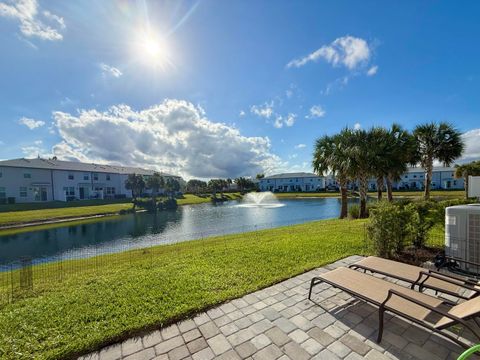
(36,180)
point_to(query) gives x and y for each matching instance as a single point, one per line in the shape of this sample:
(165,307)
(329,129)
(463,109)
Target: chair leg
(381,312)
(312,283)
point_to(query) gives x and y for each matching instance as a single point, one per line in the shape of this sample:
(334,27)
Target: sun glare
(152,49)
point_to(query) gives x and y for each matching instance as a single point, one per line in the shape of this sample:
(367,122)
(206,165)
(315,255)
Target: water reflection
(143,229)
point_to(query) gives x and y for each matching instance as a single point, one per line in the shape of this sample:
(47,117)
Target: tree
(260,176)
(242,183)
(400,153)
(171,187)
(196,186)
(362,156)
(136,184)
(466,170)
(155,183)
(440,142)
(330,156)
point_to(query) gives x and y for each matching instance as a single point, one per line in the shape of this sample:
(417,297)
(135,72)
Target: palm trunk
(465,184)
(362,188)
(343,194)
(389,188)
(428,181)
(379,187)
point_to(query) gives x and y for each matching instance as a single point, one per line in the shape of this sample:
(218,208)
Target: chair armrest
(465,283)
(392,292)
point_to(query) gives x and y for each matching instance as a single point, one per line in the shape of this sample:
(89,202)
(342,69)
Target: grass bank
(105,299)
(65,210)
(447,194)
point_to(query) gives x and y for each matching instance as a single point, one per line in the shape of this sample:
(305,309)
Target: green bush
(354,211)
(391,228)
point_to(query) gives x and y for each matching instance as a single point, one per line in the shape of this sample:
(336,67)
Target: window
(454,182)
(69,190)
(406,176)
(95,176)
(27,175)
(108,177)
(23,191)
(1,174)
(110,190)
(86,176)
(71,176)
(3,195)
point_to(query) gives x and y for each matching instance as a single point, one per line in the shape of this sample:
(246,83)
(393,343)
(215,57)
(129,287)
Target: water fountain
(264,199)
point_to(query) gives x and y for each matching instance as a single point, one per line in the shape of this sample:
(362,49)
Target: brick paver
(279,322)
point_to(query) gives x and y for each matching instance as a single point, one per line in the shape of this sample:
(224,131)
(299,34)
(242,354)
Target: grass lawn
(81,209)
(453,194)
(105,299)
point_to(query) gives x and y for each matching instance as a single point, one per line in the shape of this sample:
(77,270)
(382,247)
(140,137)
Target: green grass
(109,298)
(412,194)
(82,209)
(59,204)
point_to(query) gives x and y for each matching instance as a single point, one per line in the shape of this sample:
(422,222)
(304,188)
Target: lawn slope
(116,296)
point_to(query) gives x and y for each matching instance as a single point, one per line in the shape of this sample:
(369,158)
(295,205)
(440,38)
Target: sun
(151,49)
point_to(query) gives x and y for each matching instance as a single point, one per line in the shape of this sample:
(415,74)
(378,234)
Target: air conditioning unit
(462,234)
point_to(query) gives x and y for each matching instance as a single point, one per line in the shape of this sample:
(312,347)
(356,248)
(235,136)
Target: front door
(43,193)
(82,193)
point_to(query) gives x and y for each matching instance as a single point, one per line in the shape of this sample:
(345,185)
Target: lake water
(142,229)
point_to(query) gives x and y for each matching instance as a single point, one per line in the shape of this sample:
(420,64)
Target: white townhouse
(290,182)
(443,178)
(33,180)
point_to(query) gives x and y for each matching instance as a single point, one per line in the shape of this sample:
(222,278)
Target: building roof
(291,175)
(50,164)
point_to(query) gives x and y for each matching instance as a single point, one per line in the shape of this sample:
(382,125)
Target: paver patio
(279,322)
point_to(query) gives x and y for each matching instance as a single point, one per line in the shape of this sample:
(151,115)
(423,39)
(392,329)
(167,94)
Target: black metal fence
(29,277)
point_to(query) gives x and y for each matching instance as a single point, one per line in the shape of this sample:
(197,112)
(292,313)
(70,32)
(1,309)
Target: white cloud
(33,23)
(110,70)
(316,111)
(357,126)
(173,136)
(472,145)
(281,121)
(265,110)
(300,146)
(242,113)
(31,123)
(348,51)
(372,71)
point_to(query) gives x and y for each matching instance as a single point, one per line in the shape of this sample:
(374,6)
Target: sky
(212,88)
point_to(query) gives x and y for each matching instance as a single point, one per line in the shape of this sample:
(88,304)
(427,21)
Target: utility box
(473,187)
(462,234)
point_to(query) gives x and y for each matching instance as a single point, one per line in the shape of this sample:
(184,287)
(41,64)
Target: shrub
(354,211)
(391,228)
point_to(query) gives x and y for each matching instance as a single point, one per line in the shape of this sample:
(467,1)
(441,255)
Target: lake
(120,233)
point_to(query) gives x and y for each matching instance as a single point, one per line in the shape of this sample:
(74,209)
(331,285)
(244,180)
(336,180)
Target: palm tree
(171,187)
(136,184)
(440,142)
(155,183)
(466,170)
(330,156)
(381,153)
(400,152)
(362,154)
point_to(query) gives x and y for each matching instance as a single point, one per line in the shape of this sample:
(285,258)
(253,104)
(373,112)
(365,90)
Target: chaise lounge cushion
(405,272)
(375,290)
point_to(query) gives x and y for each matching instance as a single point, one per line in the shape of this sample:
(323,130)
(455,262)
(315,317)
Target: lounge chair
(421,277)
(404,302)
